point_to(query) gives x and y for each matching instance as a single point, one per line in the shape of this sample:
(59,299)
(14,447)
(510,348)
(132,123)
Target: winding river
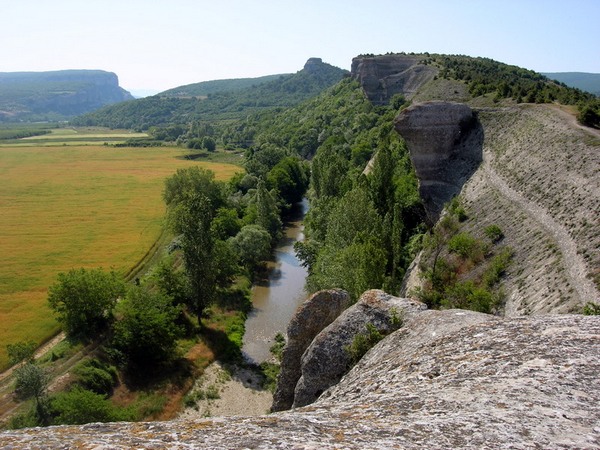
(276,300)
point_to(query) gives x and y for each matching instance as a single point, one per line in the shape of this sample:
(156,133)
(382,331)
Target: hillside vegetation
(57,95)
(284,91)
(589,82)
(206,88)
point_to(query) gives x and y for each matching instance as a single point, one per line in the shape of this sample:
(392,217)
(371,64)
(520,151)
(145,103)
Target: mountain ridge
(57,95)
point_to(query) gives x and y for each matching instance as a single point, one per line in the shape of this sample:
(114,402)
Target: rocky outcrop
(445,142)
(312,316)
(447,379)
(327,359)
(382,77)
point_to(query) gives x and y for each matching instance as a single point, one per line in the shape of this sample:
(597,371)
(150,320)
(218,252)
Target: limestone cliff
(382,77)
(447,379)
(445,143)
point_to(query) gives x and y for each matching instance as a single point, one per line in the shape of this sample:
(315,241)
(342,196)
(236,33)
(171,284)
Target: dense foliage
(206,88)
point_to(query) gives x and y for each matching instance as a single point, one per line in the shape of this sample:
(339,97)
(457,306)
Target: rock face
(445,142)
(65,93)
(327,360)
(382,77)
(447,379)
(314,314)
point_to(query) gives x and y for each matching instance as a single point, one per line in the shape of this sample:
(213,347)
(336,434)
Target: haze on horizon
(154,46)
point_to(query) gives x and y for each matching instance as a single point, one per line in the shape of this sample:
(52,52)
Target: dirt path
(574,264)
(572,120)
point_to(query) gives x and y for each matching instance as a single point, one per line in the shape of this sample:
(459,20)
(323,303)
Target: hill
(284,91)
(56,95)
(589,82)
(206,88)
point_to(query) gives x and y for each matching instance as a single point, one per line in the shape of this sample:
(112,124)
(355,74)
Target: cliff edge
(447,379)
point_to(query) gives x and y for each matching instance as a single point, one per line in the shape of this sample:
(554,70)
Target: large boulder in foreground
(312,316)
(445,142)
(447,379)
(328,359)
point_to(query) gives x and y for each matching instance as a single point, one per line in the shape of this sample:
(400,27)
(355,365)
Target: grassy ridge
(73,206)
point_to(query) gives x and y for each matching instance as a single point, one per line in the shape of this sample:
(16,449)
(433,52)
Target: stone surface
(384,76)
(445,142)
(312,316)
(446,380)
(327,360)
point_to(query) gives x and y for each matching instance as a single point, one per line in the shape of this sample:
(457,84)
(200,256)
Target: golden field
(75,206)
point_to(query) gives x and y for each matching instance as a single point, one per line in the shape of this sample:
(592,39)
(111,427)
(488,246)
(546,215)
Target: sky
(154,45)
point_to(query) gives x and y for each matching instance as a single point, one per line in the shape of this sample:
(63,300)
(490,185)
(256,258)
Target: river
(276,299)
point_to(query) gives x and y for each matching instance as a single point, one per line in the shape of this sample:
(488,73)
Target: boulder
(312,316)
(445,142)
(327,359)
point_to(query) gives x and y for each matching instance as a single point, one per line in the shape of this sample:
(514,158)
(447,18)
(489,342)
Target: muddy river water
(277,298)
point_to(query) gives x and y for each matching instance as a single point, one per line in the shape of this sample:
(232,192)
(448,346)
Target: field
(72,206)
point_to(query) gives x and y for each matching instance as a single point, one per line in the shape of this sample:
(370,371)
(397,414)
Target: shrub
(80,406)
(466,246)
(591,309)
(494,233)
(362,343)
(96,376)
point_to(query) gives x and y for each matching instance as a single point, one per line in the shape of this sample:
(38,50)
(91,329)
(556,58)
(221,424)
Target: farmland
(69,205)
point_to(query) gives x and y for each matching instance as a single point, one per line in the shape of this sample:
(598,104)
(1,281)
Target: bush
(96,376)
(362,343)
(466,246)
(80,406)
(591,309)
(494,233)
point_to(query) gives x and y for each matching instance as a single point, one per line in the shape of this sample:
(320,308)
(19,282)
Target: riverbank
(227,391)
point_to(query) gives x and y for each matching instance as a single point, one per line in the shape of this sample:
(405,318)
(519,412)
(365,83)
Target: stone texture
(445,142)
(327,360)
(447,379)
(312,316)
(384,76)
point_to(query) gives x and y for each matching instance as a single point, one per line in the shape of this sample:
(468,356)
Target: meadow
(69,206)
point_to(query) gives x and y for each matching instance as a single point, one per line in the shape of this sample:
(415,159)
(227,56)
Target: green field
(74,206)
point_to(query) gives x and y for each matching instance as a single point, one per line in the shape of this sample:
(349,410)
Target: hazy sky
(156,44)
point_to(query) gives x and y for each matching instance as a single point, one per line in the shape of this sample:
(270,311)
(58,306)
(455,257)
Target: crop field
(65,207)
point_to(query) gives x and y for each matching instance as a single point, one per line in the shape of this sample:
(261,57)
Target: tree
(193,181)
(84,299)
(253,244)
(289,178)
(192,218)
(147,333)
(267,212)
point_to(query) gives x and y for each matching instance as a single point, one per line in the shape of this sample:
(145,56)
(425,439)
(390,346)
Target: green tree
(192,181)
(147,333)
(267,212)
(84,299)
(253,245)
(192,219)
(290,179)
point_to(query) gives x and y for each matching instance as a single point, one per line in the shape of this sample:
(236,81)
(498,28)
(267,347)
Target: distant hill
(206,88)
(167,108)
(56,95)
(589,82)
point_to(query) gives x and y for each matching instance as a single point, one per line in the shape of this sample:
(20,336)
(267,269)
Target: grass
(75,206)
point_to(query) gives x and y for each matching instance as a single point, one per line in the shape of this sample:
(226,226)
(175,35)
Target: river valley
(276,299)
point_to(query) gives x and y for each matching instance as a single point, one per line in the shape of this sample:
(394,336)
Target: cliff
(382,77)
(445,144)
(446,379)
(57,95)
